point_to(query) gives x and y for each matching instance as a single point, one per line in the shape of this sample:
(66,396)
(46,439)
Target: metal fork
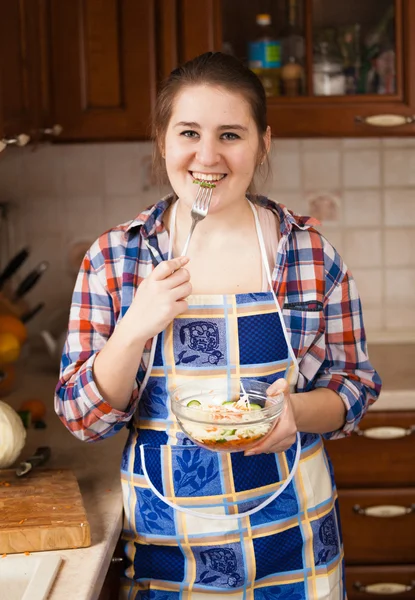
(199,211)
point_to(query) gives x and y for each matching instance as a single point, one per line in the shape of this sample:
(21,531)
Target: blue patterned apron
(204,525)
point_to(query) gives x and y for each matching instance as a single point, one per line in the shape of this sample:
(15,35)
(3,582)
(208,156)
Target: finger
(175,279)
(167,267)
(277,387)
(181,291)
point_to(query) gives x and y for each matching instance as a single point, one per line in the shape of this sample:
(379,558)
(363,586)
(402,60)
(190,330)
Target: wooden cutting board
(41,511)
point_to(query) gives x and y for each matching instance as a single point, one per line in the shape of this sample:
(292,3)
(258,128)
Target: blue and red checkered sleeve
(93,314)
(346,368)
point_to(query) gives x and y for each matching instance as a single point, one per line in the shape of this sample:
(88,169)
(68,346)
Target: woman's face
(211,136)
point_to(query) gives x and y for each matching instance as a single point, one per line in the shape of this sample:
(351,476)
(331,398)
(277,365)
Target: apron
(202,525)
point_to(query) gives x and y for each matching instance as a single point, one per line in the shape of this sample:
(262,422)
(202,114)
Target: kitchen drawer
(361,461)
(381,580)
(376,540)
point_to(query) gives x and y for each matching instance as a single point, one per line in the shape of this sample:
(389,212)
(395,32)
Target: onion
(12,435)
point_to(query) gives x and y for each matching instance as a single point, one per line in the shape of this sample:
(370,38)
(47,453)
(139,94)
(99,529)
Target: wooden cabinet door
(381,453)
(388,583)
(20,66)
(228,25)
(378,526)
(103,68)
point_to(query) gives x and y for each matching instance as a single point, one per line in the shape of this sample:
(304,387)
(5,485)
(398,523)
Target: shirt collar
(151,219)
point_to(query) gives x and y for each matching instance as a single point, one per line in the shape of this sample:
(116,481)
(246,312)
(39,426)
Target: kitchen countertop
(97,468)
(97,465)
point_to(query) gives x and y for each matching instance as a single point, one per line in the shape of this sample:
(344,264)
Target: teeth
(207,176)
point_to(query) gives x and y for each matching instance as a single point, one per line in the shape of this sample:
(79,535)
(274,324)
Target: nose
(208,152)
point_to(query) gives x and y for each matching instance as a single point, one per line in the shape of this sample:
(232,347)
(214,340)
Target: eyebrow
(193,125)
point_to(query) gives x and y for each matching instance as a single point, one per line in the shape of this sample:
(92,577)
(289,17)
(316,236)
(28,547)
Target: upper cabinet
(103,67)
(330,68)
(88,70)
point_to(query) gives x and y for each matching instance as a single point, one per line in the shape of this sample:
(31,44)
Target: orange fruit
(36,408)
(9,348)
(11,324)
(7,379)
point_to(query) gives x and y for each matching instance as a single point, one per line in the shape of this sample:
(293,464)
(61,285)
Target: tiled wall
(61,195)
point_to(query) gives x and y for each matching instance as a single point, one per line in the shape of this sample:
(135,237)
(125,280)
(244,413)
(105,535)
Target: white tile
(317,145)
(400,248)
(399,167)
(373,318)
(401,318)
(286,171)
(399,142)
(369,284)
(361,169)
(294,201)
(399,207)
(400,287)
(82,170)
(119,209)
(42,171)
(126,167)
(361,143)
(321,169)
(10,173)
(334,236)
(283,145)
(83,215)
(362,248)
(44,214)
(362,207)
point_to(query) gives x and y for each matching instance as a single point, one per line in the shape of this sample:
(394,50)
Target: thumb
(281,385)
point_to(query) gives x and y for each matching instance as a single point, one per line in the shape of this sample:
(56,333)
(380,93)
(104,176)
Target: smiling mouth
(207,177)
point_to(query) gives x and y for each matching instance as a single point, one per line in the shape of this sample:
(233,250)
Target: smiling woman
(263,297)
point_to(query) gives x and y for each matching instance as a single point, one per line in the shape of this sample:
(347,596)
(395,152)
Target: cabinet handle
(384,589)
(385,120)
(55,130)
(20,140)
(384,510)
(385,433)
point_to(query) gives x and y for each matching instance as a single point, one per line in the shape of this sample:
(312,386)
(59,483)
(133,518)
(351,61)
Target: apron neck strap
(172,228)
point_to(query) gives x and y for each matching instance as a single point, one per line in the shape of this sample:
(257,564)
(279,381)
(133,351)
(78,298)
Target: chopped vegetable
(193,403)
(206,184)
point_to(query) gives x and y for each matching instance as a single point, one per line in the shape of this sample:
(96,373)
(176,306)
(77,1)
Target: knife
(30,280)
(13,265)
(41,455)
(28,316)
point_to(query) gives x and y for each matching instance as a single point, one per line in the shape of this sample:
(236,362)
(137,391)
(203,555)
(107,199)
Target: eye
(189,133)
(229,136)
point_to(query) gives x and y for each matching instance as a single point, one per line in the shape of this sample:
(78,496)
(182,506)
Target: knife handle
(30,280)
(13,265)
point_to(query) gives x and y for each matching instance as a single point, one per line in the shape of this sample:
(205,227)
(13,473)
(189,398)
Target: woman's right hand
(159,299)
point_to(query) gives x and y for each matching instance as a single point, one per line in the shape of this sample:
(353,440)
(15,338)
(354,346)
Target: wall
(364,189)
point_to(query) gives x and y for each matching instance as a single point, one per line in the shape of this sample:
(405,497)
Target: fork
(199,211)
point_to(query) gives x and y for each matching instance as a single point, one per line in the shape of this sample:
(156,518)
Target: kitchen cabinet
(378,94)
(376,487)
(103,57)
(24,85)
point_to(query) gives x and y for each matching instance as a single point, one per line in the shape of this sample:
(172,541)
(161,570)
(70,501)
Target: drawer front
(382,539)
(361,461)
(386,583)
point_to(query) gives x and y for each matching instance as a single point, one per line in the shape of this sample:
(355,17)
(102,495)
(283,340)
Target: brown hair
(212,68)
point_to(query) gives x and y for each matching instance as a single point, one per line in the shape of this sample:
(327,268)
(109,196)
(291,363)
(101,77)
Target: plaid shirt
(321,309)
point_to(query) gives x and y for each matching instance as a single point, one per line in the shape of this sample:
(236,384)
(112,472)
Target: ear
(267,139)
(161,149)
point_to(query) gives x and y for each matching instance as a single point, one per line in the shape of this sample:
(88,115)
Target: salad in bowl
(220,419)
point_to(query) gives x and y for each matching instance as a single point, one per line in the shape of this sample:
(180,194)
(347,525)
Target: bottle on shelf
(291,36)
(264,55)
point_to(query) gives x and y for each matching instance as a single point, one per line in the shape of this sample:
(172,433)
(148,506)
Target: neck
(220,219)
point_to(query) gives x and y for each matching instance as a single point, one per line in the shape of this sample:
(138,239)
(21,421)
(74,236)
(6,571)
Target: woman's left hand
(284,432)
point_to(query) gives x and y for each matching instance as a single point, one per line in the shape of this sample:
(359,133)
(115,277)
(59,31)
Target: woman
(283,308)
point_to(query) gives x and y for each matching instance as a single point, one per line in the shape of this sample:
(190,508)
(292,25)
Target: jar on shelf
(328,74)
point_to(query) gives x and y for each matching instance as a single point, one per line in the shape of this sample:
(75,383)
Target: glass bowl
(223,421)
